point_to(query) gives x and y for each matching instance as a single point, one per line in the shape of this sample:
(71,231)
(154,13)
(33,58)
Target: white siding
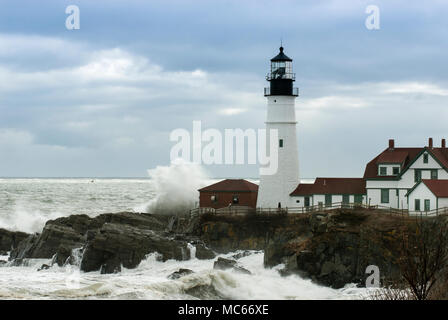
(443,203)
(275,188)
(422,192)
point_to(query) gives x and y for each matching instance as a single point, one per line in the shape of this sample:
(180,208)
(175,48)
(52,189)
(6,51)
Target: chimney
(443,143)
(391,144)
(430,143)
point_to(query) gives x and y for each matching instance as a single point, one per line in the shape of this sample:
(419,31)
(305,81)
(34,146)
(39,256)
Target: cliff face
(330,248)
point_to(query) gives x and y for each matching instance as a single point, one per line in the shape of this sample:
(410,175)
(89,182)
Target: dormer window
(425,158)
(395,171)
(383,171)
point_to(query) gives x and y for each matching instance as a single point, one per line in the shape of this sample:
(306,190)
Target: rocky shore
(332,248)
(107,242)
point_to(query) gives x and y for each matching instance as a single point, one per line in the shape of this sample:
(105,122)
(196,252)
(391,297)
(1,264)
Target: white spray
(176,187)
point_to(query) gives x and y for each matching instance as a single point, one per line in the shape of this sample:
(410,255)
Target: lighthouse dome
(281,56)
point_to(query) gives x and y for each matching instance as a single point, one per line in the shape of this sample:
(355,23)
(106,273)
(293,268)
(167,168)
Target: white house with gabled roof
(428,195)
(393,173)
(392,179)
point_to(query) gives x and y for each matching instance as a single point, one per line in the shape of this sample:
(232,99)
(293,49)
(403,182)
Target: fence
(239,210)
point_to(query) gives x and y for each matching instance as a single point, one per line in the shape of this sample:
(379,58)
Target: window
(235,200)
(358,199)
(434,174)
(214,198)
(383,171)
(280,143)
(396,171)
(417,175)
(425,158)
(417,204)
(384,195)
(307,201)
(328,200)
(345,198)
(427,205)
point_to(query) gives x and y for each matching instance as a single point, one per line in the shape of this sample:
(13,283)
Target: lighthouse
(275,188)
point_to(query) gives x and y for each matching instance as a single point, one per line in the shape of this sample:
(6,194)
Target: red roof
(331,186)
(392,156)
(438,187)
(404,156)
(232,185)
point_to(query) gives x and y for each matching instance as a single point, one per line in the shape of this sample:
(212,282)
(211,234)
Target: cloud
(231,111)
(414,88)
(335,103)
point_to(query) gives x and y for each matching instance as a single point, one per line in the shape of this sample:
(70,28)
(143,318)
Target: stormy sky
(101,101)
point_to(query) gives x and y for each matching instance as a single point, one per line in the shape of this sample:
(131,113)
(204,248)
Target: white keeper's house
(414,179)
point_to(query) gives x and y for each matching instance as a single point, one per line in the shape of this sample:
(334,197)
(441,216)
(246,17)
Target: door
(307,201)
(345,200)
(328,200)
(417,205)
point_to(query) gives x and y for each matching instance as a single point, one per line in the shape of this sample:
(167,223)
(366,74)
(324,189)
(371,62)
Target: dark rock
(204,253)
(338,246)
(63,254)
(241,270)
(10,239)
(2,262)
(113,266)
(44,267)
(116,244)
(3,253)
(243,254)
(205,292)
(224,264)
(180,273)
(62,235)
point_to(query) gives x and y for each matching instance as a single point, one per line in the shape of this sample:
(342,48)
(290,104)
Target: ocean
(26,204)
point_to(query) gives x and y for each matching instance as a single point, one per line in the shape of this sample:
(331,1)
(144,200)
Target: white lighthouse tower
(275,188)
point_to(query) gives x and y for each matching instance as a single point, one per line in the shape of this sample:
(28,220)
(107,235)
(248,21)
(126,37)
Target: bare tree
(423,255)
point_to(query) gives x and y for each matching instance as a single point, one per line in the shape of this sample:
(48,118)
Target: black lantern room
(281,77)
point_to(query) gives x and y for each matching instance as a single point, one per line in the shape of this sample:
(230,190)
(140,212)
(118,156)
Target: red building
(238,192)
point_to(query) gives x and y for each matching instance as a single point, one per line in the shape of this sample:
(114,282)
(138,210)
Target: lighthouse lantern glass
(281,70)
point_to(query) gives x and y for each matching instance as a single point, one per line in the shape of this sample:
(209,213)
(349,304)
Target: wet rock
(62,235)
(224,264)
(204,253)
(204,292)
(110,267)
(242,254)
(117,244)
(180,273)
(44,267)
(241,270)
(10,239)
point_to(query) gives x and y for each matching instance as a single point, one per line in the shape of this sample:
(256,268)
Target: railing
(240,210)
(273,76)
